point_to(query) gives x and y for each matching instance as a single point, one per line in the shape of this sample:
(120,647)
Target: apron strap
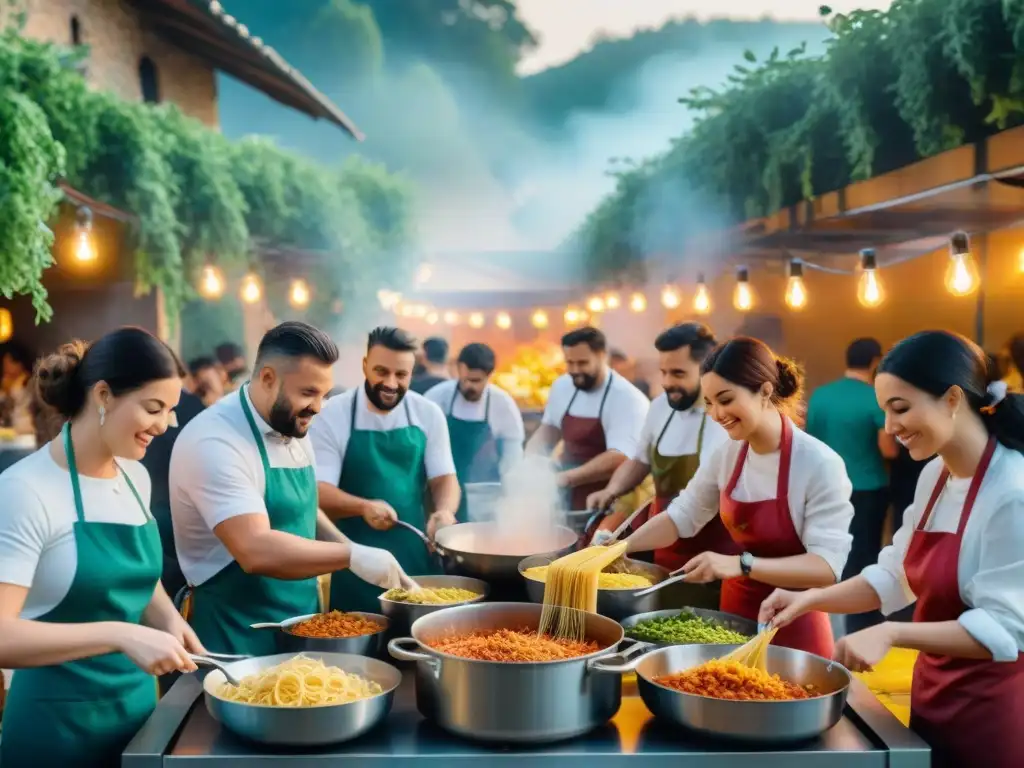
(607,389)
(408,412)
(487,406)
(664,429)
(972,492)
(451,404)
(569,407)
(76,488)
(785,459)
(700,434)
(255,432)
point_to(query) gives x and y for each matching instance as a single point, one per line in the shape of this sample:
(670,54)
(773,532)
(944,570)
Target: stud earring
(103,415)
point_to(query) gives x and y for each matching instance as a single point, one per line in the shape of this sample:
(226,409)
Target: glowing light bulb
(572,316)
(612,301)
(702,298)
(299,293)
(476,320)
(85,251)
(595,304)
(638,302)
(451,318)
(388,299)
(6,325)
(539,319)
(962,278)
(796,291)
(432,318)
(211,284)
(503,321)
(424,273)
(670,297)
(869,287)
(1020,261)
(743,294)
(250,290)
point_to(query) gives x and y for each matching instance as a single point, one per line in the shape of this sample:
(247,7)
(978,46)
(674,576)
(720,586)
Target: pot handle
(599,664)
(397,651)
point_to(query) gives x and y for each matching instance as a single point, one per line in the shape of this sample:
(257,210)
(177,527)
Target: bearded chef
(677,437)
(596,413)
(383,455)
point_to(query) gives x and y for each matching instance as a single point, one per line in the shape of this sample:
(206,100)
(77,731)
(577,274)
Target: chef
(484,422)
(383,455)
(595,412)
(677,436)
(783,496)
(244,500)
(959,554)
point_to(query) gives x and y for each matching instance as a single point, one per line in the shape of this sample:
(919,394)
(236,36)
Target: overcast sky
(566,27)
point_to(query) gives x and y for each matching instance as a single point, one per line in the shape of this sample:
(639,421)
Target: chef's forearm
(627,476)
(797,572)
(326,530)
(445,492)
(543,441)
(854,595)
(25,643)
(337,504)
(657,533)
(940,638)
(281,555)
(597,470)
(160,608)
(511,455)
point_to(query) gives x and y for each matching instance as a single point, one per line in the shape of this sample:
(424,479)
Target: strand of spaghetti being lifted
(571,589)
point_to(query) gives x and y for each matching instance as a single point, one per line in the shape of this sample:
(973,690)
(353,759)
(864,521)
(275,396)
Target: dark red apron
(765,529)
(583,440)
(969,710)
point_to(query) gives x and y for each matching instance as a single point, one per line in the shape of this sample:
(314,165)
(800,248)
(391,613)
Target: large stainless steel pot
(360,645)
(514,701)
(303,726)
(746,721)
(731,621)
(403,615)
(614,603)
(474,549)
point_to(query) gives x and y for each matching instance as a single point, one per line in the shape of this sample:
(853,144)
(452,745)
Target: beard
(284,419)
(584,381)
(680,399)
(373,394)
(470,395)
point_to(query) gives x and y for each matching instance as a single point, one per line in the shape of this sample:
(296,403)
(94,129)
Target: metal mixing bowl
(402,615)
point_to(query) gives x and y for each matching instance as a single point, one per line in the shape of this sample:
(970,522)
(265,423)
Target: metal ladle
(674,577)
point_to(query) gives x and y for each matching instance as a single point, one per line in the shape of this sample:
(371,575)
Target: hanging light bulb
(670,297)
(702,298)
(638,302)
(250,290)
(962,278)
(539,319)
(476,320)
(6,325)
(743,294)
(503,321)
(595,304)
(869,287)
(85,248)
(451,318)
(211,283)
(572,316)
(424,273)
(612,301)
(432,318)
(299,293)
(796,291)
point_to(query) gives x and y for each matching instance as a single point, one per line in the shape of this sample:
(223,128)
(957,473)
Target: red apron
(583,440)
(969,710)
(765,529)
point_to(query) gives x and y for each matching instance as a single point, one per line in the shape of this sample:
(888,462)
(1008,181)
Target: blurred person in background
(435,366)
(484,423)
(1015,364)
(231,358)
(15,389)
(627,368)
(207,380)
(846,417)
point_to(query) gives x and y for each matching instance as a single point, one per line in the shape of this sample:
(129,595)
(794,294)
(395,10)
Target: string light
(388,299)
(869,287)
(595,304)
(539,319)
(299,293)
(503,321)
(612,301)
(670,297)
(796,291)
(6,325)
(743,294)
(85,249)
(572,316)
(638,302)
(250,290)
(702,298)
(962,276)
(476,320)
(211,284)
(451,318)
(424,273)
(432,318)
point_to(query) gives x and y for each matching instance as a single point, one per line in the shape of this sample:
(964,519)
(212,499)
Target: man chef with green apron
(676,434)
(484,422)
(244,500)
(381,450)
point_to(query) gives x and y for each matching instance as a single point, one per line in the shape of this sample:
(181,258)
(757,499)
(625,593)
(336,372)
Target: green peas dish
(684,629)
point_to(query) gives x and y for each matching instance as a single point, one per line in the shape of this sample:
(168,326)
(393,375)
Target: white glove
(601,537)
(378,567)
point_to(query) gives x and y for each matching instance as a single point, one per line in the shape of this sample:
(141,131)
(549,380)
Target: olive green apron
(82,714)
(387,466)
(476,452)
(223,607)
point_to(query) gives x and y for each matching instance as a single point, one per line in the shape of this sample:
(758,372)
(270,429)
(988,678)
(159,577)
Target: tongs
(217,661)
(602,513)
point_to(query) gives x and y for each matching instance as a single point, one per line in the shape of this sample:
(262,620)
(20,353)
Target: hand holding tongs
(602,513)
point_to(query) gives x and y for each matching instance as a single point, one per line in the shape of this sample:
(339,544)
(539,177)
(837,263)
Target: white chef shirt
(37,518)
(819,494)
(622,417)
(216,474)
(503,415)
(990,570)
(332,428)
(680,438)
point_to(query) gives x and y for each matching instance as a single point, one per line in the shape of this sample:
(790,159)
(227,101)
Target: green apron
(386,466)
(82,714)
(224,606)
(476,452)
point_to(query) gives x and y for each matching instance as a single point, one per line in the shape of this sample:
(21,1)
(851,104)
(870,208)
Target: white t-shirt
(990,570)
(503,415)
(680,438)
(819,494)
(216,473)
(37,518)
(332,428)
(622,417)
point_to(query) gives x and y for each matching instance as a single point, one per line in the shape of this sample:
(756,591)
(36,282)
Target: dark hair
(478,357)
(589,335)
(201,364)
(435,350)
(228,352)
(19,353)
(995,369)
(618,354)
(751,364)
(126,359)
(862,353)
(697,336)
(294,339)
(1016,348)
(936,361)
(391,338)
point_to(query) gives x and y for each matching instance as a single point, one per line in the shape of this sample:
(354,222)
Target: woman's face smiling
(923,424)
(736,408)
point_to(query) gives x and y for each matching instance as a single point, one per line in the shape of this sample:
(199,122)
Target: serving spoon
(208,661)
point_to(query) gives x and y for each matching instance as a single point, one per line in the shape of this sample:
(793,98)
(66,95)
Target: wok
(477,550)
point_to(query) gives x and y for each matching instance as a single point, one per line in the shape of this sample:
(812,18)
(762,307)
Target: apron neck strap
(252,425)
(972,492)
(700,432)
(664,429)
(487,405)
(785,457)
(76,487)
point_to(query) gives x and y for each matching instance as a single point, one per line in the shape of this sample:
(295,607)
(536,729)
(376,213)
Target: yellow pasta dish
(570,590)
(604,580)
(430,595)
(300,682)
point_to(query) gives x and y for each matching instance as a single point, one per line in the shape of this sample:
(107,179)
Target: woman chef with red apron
(783,496)
(959,554)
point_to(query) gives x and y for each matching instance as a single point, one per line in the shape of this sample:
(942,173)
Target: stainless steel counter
(182,733)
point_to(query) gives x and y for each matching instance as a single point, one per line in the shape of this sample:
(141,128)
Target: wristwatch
(746,563)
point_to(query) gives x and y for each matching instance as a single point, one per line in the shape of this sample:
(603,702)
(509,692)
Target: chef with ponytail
(783,495)
(959,555)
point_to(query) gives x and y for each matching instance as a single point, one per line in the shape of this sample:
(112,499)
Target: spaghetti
(430,595)
(300,682)
(720,679)
(604,580)
(570,589)
(512,645)
(335,625)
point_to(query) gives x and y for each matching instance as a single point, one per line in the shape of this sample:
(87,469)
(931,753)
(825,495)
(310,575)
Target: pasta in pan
(300,682)
(570,588)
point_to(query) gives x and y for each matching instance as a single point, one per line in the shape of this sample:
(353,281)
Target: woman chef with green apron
(84,621)
(484,422)
(380,450)
(244,500)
